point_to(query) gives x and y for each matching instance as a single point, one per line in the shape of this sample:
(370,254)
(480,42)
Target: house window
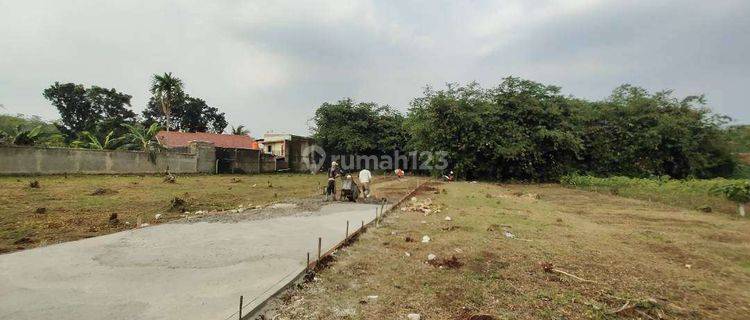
(269,149)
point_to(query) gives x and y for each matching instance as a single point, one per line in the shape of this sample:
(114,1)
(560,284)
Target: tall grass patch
(689,193)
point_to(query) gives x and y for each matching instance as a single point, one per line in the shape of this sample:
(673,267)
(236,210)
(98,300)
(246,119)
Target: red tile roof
(172,139)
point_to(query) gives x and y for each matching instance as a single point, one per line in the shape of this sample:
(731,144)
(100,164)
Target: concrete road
(170,271)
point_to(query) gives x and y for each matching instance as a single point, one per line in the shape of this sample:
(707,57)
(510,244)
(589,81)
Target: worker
(333,173)
(399,173)
(448,177)
(349,189)
(364,179)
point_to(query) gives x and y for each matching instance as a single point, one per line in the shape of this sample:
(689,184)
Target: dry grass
(76,207)
(72,211)
(661,261)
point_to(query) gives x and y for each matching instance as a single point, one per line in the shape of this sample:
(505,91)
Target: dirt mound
(528,196)
(428,187)
(24,240)
(170,178)
(452,263)
(178,204)
(102,191)
(113,220)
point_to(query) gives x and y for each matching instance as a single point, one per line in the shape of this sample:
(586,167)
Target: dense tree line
(526,130)
(636,133)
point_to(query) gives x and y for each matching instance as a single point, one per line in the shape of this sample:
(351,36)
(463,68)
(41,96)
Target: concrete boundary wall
(32,160)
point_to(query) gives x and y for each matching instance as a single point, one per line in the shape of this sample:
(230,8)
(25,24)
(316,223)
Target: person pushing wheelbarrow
(349,189)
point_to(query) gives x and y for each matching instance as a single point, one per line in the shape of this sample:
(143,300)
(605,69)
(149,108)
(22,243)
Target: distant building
(288,150)
(234,153)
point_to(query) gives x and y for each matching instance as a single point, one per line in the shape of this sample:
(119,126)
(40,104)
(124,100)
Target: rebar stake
(320,243)
(240,307)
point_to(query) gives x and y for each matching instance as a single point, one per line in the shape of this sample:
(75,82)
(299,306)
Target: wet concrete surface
(195,270)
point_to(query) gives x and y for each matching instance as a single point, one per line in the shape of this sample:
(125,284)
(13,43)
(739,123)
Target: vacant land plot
(61,208)
(535,252)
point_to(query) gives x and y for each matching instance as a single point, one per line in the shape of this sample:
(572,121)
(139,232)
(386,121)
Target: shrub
(738,192)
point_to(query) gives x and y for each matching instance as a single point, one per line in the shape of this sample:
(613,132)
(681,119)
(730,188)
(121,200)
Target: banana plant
(144,139)
(21,136)
(92,142)
(140,138)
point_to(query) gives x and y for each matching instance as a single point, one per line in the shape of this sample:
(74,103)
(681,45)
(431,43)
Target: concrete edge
(261,308)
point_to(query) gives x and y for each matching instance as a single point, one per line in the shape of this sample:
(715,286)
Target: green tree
(188,114)
(167,89)
(76,113)
(518,130)
(739,138)
(196,116)
(636,133)
(348,128)
(114,109)
(95,110)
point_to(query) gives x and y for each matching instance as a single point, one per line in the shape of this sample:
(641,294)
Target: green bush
(738,192)
(525,130)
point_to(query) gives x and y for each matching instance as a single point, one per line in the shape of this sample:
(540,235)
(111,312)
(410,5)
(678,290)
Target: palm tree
(240,130)
(166,88)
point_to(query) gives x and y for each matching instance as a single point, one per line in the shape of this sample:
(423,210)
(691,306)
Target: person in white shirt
(364,179)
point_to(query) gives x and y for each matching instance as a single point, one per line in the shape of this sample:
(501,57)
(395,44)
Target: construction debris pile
(426,206)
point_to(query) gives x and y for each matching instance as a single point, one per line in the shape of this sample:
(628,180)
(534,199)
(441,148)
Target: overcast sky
(269,64)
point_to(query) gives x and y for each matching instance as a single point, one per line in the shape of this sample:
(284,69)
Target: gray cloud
(269,64)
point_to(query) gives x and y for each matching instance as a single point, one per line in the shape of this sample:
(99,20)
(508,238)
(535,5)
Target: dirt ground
(66,208)
(534,252)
